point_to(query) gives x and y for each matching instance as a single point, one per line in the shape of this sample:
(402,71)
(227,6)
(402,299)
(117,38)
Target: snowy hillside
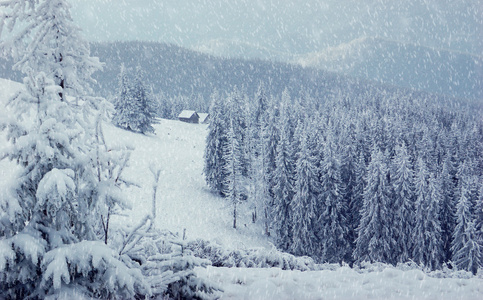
(184,202)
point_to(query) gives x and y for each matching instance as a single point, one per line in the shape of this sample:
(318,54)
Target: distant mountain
(406,65)
(174,70)
(241,49)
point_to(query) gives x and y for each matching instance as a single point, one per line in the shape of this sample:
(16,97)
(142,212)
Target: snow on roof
(202,116)
(186,114)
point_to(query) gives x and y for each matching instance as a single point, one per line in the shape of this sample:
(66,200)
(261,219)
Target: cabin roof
(202,116)
(186,114)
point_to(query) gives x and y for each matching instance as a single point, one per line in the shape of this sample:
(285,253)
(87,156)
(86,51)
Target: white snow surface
(185,202)
(343,283)
(183,198)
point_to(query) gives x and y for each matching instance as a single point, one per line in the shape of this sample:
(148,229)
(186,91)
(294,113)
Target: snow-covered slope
(183,199)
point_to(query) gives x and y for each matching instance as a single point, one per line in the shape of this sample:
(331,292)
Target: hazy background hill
(404,64)
(174,70)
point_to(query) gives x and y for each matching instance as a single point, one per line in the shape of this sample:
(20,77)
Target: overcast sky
(298,26)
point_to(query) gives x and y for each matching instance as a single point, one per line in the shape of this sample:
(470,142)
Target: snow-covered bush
(250,258)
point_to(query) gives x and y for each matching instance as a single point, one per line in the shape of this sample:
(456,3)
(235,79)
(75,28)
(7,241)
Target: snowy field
(343,283)
(184,202)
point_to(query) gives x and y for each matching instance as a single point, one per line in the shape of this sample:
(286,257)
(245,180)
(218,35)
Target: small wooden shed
(204,118)
(189,116)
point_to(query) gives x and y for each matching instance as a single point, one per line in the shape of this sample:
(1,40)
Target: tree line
(381,176)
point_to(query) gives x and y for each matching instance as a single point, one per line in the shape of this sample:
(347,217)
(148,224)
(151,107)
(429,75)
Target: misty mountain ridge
(404,64)
(409,65)
(234,48)
(174,70)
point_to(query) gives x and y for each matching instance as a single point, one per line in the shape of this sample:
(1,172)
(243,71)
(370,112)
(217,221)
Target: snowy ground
(185,202)
(343,283)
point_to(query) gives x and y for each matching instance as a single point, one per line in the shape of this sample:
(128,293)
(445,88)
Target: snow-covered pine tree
(433,225)
(271,140)
(348,159)
(215,144)
(125,106)
(283,178)
(143,95)
(237,113)
(357,200)
(375,242)
(467,252)
(403,184)
(304,205)
(259,119)
(333,219)
(447,207)
(426,231)
(233,169)
(135,106)
(49,246)
(255,131)
(479,219)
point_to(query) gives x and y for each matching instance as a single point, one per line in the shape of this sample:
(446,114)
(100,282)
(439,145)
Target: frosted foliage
(283,177)
(304,204)
(375,241)
(54,190)
(403,183)
(135,107)
(76,264)
(47,40)
(215,141)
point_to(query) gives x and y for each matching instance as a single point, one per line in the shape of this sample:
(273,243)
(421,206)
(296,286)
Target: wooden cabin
(189,116)
(204,118)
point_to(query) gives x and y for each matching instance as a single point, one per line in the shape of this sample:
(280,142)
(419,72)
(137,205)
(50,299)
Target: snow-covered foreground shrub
(91,268)
(250,258)
(166,264)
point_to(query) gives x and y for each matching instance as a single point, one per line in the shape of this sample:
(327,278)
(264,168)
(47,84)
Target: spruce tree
(271,140)
(333,219)
(304,205)
(233,168)
(283,178)
(447,216)
(375,242)
(135,106)
(403,184)
(357,199)
(146,103)
(466,250)
(427,230)
(125,106)
(216,141)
